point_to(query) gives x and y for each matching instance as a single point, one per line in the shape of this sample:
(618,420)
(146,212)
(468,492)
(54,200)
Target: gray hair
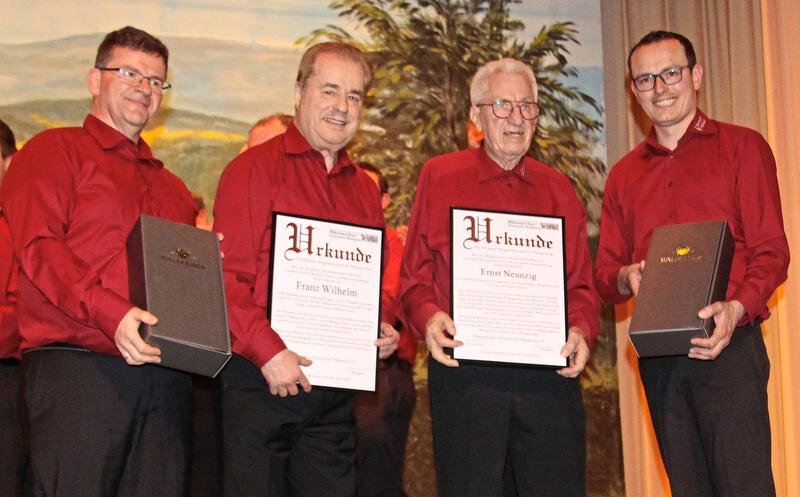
(480,82)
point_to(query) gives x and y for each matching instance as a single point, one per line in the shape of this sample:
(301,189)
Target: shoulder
(442,167)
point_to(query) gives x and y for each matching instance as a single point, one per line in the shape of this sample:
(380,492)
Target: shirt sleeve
(767,250)
(417,297)
(37,195)
(583,306)
(242,213)
(614,250)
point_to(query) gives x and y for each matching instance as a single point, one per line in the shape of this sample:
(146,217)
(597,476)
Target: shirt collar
(111,139)
(488,169)
(296,143)
(701,125)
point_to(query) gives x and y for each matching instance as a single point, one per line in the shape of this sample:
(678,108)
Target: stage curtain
(749,80)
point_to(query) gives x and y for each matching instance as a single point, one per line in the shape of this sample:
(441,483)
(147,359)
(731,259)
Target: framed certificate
(509,287)
(324,297)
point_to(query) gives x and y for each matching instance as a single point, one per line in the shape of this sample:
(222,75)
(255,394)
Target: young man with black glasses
(709,408)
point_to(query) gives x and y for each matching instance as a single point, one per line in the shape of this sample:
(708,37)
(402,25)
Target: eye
(328,92)
(645,79)
(128,73)
(671,73)
(354,98)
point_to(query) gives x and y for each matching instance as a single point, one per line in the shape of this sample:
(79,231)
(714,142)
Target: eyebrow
(337,87)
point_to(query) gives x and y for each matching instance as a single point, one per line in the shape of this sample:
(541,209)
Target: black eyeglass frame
(503,102)
(660,76)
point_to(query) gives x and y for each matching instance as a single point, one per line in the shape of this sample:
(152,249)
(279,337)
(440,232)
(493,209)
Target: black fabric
(711,419)
(296,446)
(12,436)
(101,428)
(483,413)
(382,421)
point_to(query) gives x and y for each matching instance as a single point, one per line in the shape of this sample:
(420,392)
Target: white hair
(480,82)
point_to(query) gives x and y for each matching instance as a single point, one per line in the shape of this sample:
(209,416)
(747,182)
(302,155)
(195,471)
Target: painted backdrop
(234,61)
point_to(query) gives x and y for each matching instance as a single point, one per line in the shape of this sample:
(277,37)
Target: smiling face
(328,106)
(505,140)
(670,108)
(123,107)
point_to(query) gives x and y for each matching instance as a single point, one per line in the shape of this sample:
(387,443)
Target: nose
(341,102)
(659,84)
(516,115)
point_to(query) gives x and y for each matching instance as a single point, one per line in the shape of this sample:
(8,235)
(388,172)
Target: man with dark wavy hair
(105,421)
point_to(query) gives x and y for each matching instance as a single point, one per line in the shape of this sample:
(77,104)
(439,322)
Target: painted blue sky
(276,23)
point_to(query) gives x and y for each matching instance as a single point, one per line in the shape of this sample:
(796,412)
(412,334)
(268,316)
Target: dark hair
(284,119)
(199,203)
(338,48)
(656,36)
(382,183)
(133,38)
(8,146)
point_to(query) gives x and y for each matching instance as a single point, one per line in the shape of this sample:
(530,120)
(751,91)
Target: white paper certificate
(325,297)
(509,299)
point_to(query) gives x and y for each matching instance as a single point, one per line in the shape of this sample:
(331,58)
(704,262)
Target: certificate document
(324,298)
(509,287)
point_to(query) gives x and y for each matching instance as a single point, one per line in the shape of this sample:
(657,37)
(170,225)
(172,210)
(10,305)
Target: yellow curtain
(749,80)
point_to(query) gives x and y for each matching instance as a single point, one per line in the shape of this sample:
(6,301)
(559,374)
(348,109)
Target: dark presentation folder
(175,272)
(687,267)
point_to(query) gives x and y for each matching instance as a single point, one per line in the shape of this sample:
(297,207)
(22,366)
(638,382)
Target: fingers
(577,350)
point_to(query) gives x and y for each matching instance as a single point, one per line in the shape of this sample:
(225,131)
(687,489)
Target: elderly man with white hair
(486,414)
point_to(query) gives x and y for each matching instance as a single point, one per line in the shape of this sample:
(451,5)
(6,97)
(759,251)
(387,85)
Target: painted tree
(425,53)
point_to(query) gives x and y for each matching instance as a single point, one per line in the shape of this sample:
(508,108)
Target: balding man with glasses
(104,420)
(709,407)
(484,412)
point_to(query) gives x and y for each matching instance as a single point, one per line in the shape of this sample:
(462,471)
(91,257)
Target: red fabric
(71,197)
(284,174)
(717,172)
(407,346)
(471,179)
(9,333)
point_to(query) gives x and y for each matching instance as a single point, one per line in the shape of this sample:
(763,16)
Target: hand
(387,343)
(220,237)
(629,278)
(577,349)
(283,373)
(726,316)
(437,339)
(129,342)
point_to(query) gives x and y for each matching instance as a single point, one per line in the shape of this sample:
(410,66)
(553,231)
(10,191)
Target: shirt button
(670,184)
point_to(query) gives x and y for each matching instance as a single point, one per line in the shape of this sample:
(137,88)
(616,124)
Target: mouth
(664,102)
(335,121)
(514,133)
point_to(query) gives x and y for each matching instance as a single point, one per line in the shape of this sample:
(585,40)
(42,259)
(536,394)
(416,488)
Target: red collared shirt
(471,179)
(407,346)
(9,333)
(284,174)
(71,197)
(717,172)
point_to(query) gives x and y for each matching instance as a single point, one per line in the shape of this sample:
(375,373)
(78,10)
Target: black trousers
(382,421)
(711,419)
(296,446)
(482,413)
(13,459)
(101,428)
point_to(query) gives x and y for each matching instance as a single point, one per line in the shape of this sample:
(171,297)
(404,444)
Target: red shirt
(407,346)
(9,333)
(717,172)
(71,197)
(284,174)
(471,179)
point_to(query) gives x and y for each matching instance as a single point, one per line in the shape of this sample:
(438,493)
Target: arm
(37,196)
(766,248)
(615,276)
(242,211)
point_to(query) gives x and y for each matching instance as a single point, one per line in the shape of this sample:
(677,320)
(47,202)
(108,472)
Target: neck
(330,158)
(668,136)
(504,162)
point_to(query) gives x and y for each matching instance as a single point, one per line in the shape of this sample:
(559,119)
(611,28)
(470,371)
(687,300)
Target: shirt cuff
(420,318)
(111,308)
(263,345)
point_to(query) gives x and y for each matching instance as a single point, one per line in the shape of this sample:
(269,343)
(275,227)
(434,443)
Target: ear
(93,81)
(298,95)
(473,116)
(697,76)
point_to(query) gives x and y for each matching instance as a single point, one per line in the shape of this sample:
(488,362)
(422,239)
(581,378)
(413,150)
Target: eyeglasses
(502,109)
(670,76)
(133,77)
